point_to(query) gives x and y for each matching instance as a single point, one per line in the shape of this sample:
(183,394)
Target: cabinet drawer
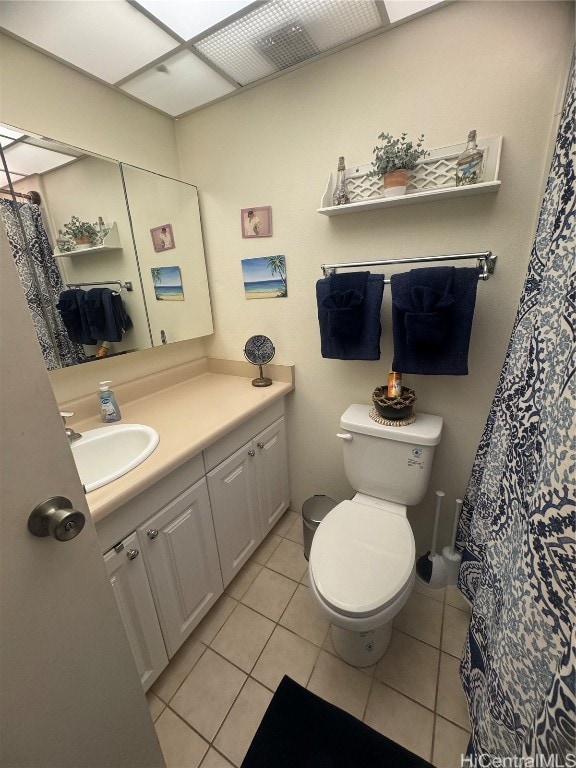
(234,440)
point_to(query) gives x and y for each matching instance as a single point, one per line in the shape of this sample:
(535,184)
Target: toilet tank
(391,463)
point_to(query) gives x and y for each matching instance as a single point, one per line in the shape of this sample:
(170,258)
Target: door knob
(56,517)
(132,554)
(260,445)
(152,533)
(251,452)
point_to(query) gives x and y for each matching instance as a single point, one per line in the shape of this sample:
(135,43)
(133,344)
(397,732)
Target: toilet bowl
(362,570)
(362,559)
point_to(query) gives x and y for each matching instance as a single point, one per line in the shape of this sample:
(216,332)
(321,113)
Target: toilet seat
(362,559)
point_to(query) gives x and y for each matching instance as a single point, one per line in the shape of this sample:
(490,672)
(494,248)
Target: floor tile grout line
(432,747)
(189,725)
(226,717)
(319,649)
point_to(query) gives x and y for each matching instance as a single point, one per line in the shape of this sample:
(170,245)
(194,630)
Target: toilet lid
(361,558)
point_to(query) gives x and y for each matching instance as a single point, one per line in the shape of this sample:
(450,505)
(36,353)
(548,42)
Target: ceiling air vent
(287,46)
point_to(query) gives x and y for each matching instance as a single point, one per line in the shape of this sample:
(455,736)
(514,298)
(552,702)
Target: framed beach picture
(163,238)
(257,222)
(167,283)
(265,277)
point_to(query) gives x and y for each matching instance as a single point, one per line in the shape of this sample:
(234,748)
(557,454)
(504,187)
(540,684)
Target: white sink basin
(107,453)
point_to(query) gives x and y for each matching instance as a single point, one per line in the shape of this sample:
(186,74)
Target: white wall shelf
(433,179)
(111,243)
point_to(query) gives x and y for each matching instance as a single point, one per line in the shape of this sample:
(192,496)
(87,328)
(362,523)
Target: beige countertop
(189,415)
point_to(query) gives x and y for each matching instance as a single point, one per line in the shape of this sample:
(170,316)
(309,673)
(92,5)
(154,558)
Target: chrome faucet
(71,434)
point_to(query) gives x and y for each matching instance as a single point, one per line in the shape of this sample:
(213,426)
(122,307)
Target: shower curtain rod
(127,285)
(16,194)
(486,263)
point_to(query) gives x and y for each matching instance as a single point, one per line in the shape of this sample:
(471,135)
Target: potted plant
(394,158)
(83,233)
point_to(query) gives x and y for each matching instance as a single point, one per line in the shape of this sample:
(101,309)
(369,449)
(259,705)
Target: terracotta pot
(82,242)
(395,182)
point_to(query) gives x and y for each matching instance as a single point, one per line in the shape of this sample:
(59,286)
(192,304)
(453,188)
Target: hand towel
(106,315)
(71,306)
(432,312)
(358,337)
(345,305)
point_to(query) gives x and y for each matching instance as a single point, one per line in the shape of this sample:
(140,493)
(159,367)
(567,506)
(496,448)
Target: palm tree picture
(265,277)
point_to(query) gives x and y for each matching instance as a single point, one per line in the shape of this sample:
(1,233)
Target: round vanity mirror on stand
(259,350)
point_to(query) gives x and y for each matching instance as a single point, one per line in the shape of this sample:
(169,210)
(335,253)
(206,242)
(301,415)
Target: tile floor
(209,701)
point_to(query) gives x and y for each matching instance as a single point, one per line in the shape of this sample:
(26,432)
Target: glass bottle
(469,165)
(61,241)
(340,196)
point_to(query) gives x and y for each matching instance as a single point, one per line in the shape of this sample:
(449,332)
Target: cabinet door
(272,474)
(182,560)
(232,486)
(132,591)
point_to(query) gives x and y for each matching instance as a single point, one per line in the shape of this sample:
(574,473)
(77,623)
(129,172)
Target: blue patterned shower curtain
(41,282)
(516,532)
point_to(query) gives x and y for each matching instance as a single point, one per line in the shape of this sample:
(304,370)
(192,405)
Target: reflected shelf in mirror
(136,202)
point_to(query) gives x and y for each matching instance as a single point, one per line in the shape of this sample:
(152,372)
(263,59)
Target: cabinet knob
(132,554)
(260,445)
(251,452)
(152,533)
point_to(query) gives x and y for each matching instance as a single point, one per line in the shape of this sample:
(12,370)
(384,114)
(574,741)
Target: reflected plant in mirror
(78,299)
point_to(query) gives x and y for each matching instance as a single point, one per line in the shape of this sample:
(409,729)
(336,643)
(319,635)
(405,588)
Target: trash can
(314,510)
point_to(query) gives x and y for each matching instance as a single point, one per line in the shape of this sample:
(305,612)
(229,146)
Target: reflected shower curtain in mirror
(41,282)
(516,531)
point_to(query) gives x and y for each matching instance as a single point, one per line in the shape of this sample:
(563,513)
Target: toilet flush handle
(344,435)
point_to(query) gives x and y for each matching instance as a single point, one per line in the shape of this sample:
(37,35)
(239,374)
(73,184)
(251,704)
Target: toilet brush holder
(450,556)
(451,561)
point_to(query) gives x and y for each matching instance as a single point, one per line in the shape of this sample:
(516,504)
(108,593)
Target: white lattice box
(433,178)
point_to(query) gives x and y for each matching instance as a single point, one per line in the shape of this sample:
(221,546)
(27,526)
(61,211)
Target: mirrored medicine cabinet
(149,252)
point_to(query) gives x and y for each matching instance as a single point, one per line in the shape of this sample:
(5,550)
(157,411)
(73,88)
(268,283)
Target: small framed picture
(257,222)
(163,238)
(167,283)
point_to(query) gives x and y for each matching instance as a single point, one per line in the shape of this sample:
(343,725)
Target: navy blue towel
(71,306)
(432,312)
(349,315)
(106,315)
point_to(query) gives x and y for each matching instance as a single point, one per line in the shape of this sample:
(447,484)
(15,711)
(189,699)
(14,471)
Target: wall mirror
(148,258)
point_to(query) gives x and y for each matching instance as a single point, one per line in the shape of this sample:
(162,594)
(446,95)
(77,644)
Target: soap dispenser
(108,406)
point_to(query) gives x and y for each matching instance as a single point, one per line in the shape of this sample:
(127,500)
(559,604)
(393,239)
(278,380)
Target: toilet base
(361,649)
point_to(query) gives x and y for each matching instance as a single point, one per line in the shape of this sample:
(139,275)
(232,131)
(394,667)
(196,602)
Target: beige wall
(496,67)
(42,96)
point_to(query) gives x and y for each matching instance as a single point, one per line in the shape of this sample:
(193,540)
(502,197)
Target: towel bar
(126,285)
(486,263)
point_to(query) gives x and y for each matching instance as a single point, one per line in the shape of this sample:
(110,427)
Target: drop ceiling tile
(282,33)
(401,9)
(189,18)
(26,159)
(109,38)
(180,84)
(8,135)
(13,178)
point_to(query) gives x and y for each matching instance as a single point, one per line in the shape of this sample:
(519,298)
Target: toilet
(362,559)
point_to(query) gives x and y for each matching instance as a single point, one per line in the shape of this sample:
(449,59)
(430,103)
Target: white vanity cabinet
(248,491)
(181,558)
(272,475)
(127,573)
(234,500)
(171,550)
